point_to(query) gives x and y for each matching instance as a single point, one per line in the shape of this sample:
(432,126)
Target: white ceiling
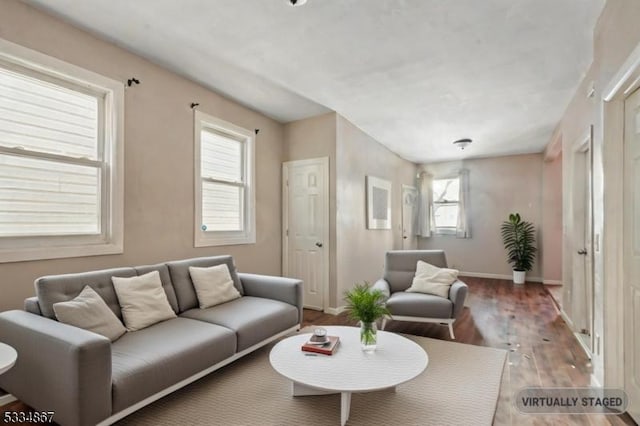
(414,74)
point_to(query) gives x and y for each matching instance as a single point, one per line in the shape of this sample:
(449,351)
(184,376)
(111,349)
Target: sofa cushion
(419,305)
(142,300)
(213,285)
(183,285)
(62,288)
(252,318)
(430,279)
(88,311)
(165,277)
(147,361)
(400,266)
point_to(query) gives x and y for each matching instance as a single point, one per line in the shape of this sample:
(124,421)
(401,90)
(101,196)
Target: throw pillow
(142,300)
(89,311)
(430,279)
(213,285)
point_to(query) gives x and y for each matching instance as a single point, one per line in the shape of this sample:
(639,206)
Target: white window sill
(203,240)
(42,253)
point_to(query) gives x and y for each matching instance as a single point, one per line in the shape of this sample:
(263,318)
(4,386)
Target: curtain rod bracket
(257,131)
(132,81)
(194,104)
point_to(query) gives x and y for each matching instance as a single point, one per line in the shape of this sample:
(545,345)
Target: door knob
(318,244)
(582,252)
(404,237)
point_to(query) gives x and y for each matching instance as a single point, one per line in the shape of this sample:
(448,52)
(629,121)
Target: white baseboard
(507,277)
(5,399)
(566,319)
(335,311)
(495,276)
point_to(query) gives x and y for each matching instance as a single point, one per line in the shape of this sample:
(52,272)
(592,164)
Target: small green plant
(367,306)
(519,237)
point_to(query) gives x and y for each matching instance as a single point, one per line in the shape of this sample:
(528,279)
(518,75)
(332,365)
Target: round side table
(8,357)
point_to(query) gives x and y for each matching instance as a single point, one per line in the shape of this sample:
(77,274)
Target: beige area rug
(459,387)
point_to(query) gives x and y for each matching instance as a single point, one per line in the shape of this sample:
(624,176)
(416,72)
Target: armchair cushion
(430,279)
(419,305)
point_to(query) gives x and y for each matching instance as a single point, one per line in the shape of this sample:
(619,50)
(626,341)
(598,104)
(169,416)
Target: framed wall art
(378,203)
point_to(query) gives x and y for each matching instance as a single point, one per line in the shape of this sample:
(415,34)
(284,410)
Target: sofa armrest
(383,286)
(32,305)
(60,368)
(457,294)
(287,290)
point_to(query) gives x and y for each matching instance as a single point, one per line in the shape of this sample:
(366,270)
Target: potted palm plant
(366,306)
(518,237)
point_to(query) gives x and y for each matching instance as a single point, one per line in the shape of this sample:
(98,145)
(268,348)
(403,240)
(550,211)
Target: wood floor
(520,319)
(524,321)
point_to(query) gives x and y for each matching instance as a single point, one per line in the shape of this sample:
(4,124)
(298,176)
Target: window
(224,167)
(60,165)
(446,205)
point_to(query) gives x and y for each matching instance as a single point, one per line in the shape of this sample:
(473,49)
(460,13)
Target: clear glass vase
(368,336)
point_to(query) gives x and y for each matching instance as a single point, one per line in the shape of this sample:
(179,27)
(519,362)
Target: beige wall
(551,251)
(313,138)
(360,252)
(497,186)
(158,157)
(616,35)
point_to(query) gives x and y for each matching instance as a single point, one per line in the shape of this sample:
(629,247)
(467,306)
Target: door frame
(414,225)
(324,162)
(584,145)
(622,84)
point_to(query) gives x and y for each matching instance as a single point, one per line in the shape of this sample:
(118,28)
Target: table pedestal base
(345,398)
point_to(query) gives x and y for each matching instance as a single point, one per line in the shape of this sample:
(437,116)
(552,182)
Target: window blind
(50,167)
(223,188)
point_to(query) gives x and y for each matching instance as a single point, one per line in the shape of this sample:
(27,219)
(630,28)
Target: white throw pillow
(430,279)
(89,311)
(142,300)
(213,285)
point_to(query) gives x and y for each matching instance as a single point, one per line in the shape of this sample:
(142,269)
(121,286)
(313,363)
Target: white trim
(612,110)
(496,276)
(135,407)
(584,347)
(324,162)
(6,399)
(111,239)
(626,75)
(566,319)
(552,282)
(247,235)
(335,311)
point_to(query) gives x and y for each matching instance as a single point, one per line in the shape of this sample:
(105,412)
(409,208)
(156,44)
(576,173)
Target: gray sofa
(399,270)
(86,380)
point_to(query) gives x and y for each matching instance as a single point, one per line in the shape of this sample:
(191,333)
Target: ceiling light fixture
(462,143)
(297,2)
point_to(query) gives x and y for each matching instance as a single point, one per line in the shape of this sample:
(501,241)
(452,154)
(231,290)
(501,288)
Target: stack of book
(327,346)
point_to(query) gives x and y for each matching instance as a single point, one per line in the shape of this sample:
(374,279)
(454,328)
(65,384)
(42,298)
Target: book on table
(327,348)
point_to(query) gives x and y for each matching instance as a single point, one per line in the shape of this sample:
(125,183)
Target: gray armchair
(399,270)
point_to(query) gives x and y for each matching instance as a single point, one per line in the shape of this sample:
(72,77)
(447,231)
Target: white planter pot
(518,277)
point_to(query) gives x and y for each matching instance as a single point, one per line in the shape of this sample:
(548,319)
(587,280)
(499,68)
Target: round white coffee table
(396,360)
(8,357)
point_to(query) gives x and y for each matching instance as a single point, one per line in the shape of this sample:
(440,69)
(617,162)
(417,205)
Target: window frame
(208,238)
(444,230)
(109,160)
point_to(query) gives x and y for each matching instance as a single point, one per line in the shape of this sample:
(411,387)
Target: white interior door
(409,217)
(306,227)
(582,207)
(632,253)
